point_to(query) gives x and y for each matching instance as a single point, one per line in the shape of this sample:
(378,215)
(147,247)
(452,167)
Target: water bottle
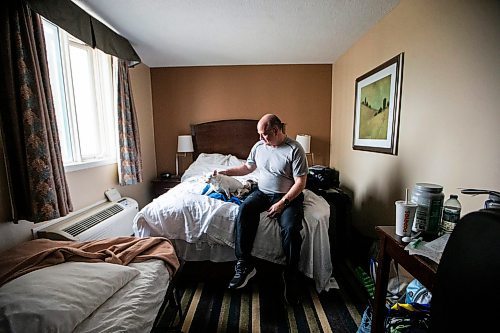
(451,214)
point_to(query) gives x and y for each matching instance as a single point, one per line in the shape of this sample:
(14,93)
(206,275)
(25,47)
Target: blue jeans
(290,221)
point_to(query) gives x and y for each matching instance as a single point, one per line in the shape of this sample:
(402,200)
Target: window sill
(87,165)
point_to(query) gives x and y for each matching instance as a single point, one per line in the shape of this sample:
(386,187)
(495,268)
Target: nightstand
(161,186)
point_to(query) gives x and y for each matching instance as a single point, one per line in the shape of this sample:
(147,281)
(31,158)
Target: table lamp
(305,142)
(184,145)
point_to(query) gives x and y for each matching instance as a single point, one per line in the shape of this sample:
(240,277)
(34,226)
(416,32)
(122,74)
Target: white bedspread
(183,213)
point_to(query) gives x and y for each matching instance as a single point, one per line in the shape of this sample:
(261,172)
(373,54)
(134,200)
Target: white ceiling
(171,33)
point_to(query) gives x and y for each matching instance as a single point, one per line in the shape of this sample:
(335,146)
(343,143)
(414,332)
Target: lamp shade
(185,144)
(305,142)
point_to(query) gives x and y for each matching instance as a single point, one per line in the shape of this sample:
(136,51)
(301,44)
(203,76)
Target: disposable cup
(405,213)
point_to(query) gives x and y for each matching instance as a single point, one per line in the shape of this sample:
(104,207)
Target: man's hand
(276,209)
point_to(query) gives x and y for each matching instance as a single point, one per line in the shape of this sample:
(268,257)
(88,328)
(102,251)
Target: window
(82,81)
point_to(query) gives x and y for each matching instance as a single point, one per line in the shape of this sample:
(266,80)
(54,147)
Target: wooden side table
(161,185)
(392,247)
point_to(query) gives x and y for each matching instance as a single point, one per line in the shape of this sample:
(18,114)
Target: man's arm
(296,189)
(293,192)
(241,170)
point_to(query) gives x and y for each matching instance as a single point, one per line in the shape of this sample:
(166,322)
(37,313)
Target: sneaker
(243,273)
(291,288)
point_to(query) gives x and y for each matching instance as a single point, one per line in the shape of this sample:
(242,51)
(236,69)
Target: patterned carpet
(259,307)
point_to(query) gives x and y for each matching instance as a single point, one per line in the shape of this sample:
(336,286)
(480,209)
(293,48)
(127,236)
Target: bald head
(269,121)
(270,129)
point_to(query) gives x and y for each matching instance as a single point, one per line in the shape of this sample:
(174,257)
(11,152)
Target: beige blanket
(41,253)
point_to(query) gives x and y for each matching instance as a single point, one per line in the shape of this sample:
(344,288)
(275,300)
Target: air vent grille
(93,220)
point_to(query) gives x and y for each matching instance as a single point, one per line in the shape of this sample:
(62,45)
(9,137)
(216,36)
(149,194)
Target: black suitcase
(322,178)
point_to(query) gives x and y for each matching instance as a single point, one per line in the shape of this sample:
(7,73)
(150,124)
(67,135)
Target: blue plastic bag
(417,293)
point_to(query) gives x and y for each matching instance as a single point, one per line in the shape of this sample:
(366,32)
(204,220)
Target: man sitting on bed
(283,171)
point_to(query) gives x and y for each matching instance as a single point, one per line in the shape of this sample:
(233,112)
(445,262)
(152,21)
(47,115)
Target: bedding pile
(41,253)
(185,214)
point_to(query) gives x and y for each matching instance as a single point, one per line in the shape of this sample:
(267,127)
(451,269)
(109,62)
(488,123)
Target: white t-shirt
(278,165)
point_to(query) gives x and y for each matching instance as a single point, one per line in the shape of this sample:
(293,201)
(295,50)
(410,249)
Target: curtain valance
(77,22)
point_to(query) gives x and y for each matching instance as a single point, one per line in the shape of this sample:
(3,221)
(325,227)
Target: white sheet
(135,306)
(183,213)
(59,297)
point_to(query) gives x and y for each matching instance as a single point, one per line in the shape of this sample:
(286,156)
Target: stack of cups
(405,214)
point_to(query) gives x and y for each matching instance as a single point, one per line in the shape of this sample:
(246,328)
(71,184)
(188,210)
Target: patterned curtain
(35,172)
(130,166)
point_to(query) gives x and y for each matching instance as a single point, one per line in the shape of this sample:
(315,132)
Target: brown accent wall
(299,94)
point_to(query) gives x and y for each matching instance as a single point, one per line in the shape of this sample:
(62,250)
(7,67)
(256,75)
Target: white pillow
(220,159)
(213,158)
(58,298)
(234,161)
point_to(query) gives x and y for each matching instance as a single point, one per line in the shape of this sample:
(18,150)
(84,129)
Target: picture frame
(377,107)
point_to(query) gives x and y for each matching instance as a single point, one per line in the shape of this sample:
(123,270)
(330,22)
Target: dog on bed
(223,184)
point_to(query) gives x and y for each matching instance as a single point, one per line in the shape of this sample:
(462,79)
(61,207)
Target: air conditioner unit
(110,219)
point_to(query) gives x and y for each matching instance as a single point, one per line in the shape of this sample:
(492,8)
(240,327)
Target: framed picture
(376,109)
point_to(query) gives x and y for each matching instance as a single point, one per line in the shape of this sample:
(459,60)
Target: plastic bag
(408,318)
(417,293)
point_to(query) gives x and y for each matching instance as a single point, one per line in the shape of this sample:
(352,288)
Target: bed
(202,227)
(112,285)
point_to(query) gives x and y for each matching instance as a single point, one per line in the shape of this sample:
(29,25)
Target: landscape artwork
(377,108)
(375,100)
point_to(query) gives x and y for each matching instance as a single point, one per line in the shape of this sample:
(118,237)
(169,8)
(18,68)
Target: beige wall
(299,94)
(450,121)
(87,186)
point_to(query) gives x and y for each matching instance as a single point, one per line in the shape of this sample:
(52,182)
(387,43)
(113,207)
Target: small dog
(223,184)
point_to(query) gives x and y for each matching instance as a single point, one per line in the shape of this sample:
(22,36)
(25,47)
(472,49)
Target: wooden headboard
(235,137)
